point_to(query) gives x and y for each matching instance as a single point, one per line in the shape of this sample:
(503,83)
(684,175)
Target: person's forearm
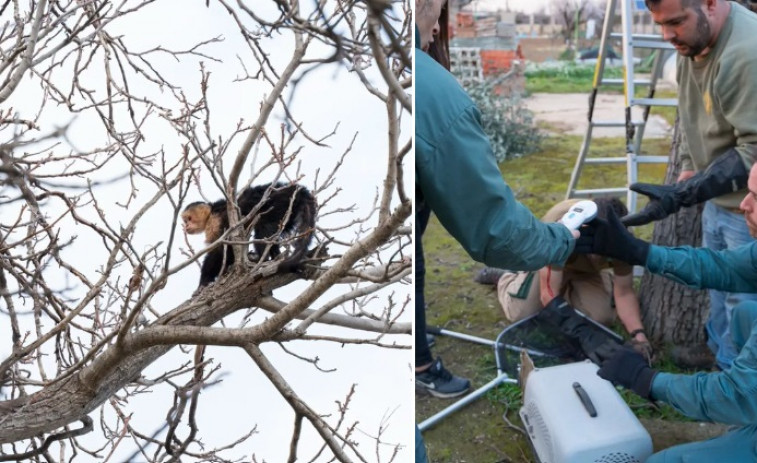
(627,307)
(685,175)
(709,396)
(550,283)
(730,270)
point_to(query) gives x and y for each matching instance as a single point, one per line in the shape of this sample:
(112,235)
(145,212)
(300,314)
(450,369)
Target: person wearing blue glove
(728,396)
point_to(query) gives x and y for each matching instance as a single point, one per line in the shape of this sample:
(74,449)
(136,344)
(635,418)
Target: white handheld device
(579,214)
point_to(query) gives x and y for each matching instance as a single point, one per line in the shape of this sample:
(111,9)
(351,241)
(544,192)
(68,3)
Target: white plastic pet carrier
(574,416)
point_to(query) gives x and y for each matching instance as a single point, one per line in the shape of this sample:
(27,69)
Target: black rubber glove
(726,174)
(595,344)
(612,239)
(629,369)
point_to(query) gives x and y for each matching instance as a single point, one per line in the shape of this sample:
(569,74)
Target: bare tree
(570,14)
(109,125)
(567,13)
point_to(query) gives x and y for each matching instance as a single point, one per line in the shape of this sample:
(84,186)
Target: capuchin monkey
(288,211)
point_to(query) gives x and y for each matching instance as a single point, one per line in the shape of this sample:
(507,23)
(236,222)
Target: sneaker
(489,275)
(439,382)
(699,357)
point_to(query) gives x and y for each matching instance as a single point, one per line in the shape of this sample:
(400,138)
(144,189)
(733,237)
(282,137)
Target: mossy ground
(478,433)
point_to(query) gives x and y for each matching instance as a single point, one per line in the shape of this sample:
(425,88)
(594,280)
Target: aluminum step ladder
(634,128)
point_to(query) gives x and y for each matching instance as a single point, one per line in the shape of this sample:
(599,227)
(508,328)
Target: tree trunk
(672,312)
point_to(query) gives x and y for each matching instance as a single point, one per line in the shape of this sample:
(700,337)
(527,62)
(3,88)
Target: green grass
(568,78)
(571,78)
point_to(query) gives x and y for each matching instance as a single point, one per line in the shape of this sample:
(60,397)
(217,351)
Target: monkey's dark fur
(288,211)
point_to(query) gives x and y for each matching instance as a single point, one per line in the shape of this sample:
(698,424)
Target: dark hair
(604,205)
(439,48)
(749,4)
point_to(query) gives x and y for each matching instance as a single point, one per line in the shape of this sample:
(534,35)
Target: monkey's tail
(304,227)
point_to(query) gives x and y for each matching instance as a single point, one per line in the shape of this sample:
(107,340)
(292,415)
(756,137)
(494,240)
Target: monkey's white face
(192,223)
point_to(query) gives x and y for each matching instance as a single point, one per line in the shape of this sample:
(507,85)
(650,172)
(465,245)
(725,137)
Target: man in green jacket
(726,396)
(717,65)
(457,177)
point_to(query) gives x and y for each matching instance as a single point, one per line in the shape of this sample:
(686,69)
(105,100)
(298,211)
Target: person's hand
(662,203)
(685,175)
(611,238)
(644,348)
(629,369)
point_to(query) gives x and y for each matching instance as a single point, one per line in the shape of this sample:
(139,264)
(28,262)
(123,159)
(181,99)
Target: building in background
(485,45)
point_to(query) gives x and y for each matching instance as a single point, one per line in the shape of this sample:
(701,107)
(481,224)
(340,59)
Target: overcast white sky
(526,6)
(384,396)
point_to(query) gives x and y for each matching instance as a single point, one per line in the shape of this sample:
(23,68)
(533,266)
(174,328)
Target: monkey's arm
(211,266)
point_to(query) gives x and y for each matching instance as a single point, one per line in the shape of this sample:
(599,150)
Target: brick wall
(495,62)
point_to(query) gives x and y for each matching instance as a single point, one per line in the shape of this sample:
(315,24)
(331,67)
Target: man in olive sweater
(717,65)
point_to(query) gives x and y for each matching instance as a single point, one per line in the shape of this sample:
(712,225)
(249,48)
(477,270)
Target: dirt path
(567,113)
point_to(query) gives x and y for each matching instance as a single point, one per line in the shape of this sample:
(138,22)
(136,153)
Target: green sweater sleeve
(734,89)
(462,184)
(733,270)
(684,154)
(726,397)
(729,396)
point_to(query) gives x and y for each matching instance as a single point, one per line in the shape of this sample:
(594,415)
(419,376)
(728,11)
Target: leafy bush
(505,119)
(567,55)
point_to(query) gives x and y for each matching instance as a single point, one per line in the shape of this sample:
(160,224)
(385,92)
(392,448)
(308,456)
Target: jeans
(723,229)
(420,447)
